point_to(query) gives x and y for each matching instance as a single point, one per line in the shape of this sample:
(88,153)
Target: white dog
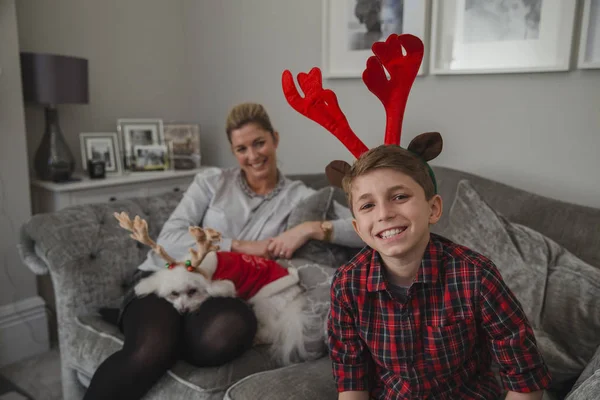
(272,290)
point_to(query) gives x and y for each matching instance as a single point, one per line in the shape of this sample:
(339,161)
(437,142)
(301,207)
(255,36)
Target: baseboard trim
(23,330)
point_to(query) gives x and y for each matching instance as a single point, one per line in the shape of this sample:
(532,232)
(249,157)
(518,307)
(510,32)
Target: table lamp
(50,79)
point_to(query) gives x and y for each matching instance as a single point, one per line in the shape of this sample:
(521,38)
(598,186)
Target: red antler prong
(403,68)
(321,106)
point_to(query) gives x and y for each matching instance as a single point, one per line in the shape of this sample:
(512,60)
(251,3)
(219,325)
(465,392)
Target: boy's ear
(355,226)
(427,145)
(336,170)
(276,138)
(436,206)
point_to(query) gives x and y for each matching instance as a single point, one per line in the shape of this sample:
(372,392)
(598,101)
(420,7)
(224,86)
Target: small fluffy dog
(272,290)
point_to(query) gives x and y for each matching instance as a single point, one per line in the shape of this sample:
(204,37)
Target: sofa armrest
(90,259)
(587,385)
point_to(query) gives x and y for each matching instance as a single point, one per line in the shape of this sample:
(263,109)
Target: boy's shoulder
(458,257)
(356,267)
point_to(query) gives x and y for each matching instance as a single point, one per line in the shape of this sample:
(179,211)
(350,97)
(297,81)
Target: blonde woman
(249,204)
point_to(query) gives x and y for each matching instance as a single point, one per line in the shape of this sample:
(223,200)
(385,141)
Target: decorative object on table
(138,132)
(51,80)
(96,169)
(101,146)
(183,141)
(151,157)
(350,27)
(484,37)
(589,42)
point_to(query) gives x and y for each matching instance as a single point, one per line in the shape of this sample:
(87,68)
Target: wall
(136,61)
(23,320)
(16,281)
(539,132)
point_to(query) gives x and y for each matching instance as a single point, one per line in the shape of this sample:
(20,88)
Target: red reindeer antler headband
(401,55)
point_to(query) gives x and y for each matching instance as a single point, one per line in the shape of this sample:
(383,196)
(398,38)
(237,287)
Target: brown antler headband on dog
(401,55)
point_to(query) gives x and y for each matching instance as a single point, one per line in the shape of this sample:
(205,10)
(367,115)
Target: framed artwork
(350,27)
(139,132)
(102,146)
(183,141)
(151,157)
(589,43)
(501,36)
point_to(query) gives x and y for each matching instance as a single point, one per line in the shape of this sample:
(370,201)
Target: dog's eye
(192,292)
(174,294)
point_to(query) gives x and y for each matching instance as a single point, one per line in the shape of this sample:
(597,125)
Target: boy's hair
(246,113)
(393,157)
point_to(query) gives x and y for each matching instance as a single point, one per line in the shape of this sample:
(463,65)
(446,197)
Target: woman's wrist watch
(327,228)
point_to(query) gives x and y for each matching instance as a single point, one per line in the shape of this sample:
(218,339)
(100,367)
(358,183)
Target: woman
(249,205)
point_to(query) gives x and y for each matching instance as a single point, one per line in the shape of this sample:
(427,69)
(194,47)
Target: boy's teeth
(390,233)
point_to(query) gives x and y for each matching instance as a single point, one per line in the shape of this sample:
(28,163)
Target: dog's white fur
(282,315)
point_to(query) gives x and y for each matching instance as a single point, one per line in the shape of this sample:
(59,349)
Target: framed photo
(102,146)
(183,141)
(589,43)
(151,157)
(501,36)
(139,132)
(350,27)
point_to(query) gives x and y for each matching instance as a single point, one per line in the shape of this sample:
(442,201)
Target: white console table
(51,196)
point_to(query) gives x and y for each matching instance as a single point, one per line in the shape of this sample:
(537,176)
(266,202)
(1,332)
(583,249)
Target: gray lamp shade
(54,79)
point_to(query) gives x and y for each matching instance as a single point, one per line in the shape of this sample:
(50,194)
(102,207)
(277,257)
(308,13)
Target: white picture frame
(347,42)
(151,157)
(104,146)
(589,41)
(135,132)
(528,38)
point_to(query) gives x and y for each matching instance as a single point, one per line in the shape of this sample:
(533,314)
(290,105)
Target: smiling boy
(414,315)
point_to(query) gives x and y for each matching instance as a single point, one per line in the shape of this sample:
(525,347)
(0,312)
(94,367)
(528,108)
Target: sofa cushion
(311,380)
(318,207)
(98,340)
(316,280)
(557,290)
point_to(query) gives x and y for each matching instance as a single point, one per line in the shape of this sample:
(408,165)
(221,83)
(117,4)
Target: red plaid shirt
(459,317)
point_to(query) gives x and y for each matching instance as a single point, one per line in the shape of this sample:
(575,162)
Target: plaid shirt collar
(241,178)
(428,272)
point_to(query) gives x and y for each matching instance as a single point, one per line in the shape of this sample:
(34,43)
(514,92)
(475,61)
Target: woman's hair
(246,113)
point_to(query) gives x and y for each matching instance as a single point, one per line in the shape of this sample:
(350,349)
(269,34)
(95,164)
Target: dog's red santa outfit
(253,276)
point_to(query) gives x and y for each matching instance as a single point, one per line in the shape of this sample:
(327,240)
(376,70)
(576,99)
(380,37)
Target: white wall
(136,59)
(16,281)
(539,132)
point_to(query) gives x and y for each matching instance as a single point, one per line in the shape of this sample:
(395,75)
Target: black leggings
(156,335)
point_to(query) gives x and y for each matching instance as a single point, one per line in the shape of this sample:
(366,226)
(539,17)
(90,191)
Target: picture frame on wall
(101,146)
(589,42)
(183,140)
(350,27)
(139,132)
(486,37)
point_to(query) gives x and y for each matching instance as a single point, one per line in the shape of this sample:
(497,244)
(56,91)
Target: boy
(414,315)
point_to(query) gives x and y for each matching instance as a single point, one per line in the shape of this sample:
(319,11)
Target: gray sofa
(89,259)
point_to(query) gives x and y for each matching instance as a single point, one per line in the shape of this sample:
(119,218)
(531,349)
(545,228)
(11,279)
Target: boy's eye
(400,197)
(259,144)
(366,206)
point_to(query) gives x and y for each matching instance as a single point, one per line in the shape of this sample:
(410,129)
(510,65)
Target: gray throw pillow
(316,279)
(319,207)
(557,290)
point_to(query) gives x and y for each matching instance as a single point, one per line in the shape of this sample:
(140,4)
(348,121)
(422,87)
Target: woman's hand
(252,247)
(284,245)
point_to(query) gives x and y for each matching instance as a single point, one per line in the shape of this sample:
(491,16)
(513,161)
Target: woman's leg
(152,329)
(221,330)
